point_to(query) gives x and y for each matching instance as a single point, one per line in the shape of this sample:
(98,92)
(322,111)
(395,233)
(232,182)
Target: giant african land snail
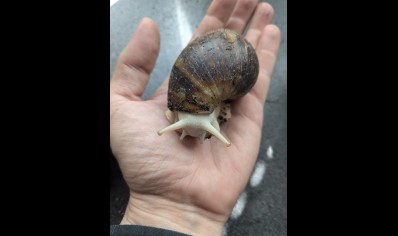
(212,70)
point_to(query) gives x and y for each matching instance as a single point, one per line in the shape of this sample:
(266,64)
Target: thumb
(136,62)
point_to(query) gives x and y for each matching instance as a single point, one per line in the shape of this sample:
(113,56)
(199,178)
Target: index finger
(216,16)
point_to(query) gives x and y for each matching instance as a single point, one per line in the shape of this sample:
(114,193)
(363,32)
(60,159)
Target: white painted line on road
(239,206)
(258,174)
(270,152)
(225,230)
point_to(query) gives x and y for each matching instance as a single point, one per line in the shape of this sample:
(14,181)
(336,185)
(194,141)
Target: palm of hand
(199,172)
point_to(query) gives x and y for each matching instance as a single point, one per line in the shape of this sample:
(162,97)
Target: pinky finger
(267,50)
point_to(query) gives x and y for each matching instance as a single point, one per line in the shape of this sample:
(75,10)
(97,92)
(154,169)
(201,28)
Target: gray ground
(262,208)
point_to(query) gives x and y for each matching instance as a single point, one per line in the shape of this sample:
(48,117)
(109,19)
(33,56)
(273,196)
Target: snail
(211,71)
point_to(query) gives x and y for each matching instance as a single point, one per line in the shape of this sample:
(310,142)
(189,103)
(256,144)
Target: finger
(262,16)
(241,15)
(136,61)
(216,17)
(267,49)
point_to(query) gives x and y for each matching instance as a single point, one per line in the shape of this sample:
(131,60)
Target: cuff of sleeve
(139,230)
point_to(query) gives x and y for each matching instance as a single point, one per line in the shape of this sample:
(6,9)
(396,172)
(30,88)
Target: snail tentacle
(178,125)
(209,128)
(202,137)
(184,133)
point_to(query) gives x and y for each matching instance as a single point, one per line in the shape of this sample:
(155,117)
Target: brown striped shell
(217,66)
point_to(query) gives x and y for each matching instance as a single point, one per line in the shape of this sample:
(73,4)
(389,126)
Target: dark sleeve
(138,230)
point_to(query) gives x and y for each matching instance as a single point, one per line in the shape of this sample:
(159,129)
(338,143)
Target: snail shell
(212,70)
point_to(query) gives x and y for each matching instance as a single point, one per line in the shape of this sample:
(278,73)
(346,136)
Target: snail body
(213,70)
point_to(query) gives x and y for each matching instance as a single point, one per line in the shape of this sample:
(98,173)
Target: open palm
(208,176)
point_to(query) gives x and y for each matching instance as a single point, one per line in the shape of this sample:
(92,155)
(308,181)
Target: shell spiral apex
(212,70)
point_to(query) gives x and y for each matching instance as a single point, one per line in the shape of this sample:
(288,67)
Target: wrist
(156,211)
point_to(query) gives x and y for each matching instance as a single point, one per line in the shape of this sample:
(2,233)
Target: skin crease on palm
(184,185)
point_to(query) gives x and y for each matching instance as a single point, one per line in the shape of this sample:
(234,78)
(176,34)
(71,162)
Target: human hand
(183,185)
